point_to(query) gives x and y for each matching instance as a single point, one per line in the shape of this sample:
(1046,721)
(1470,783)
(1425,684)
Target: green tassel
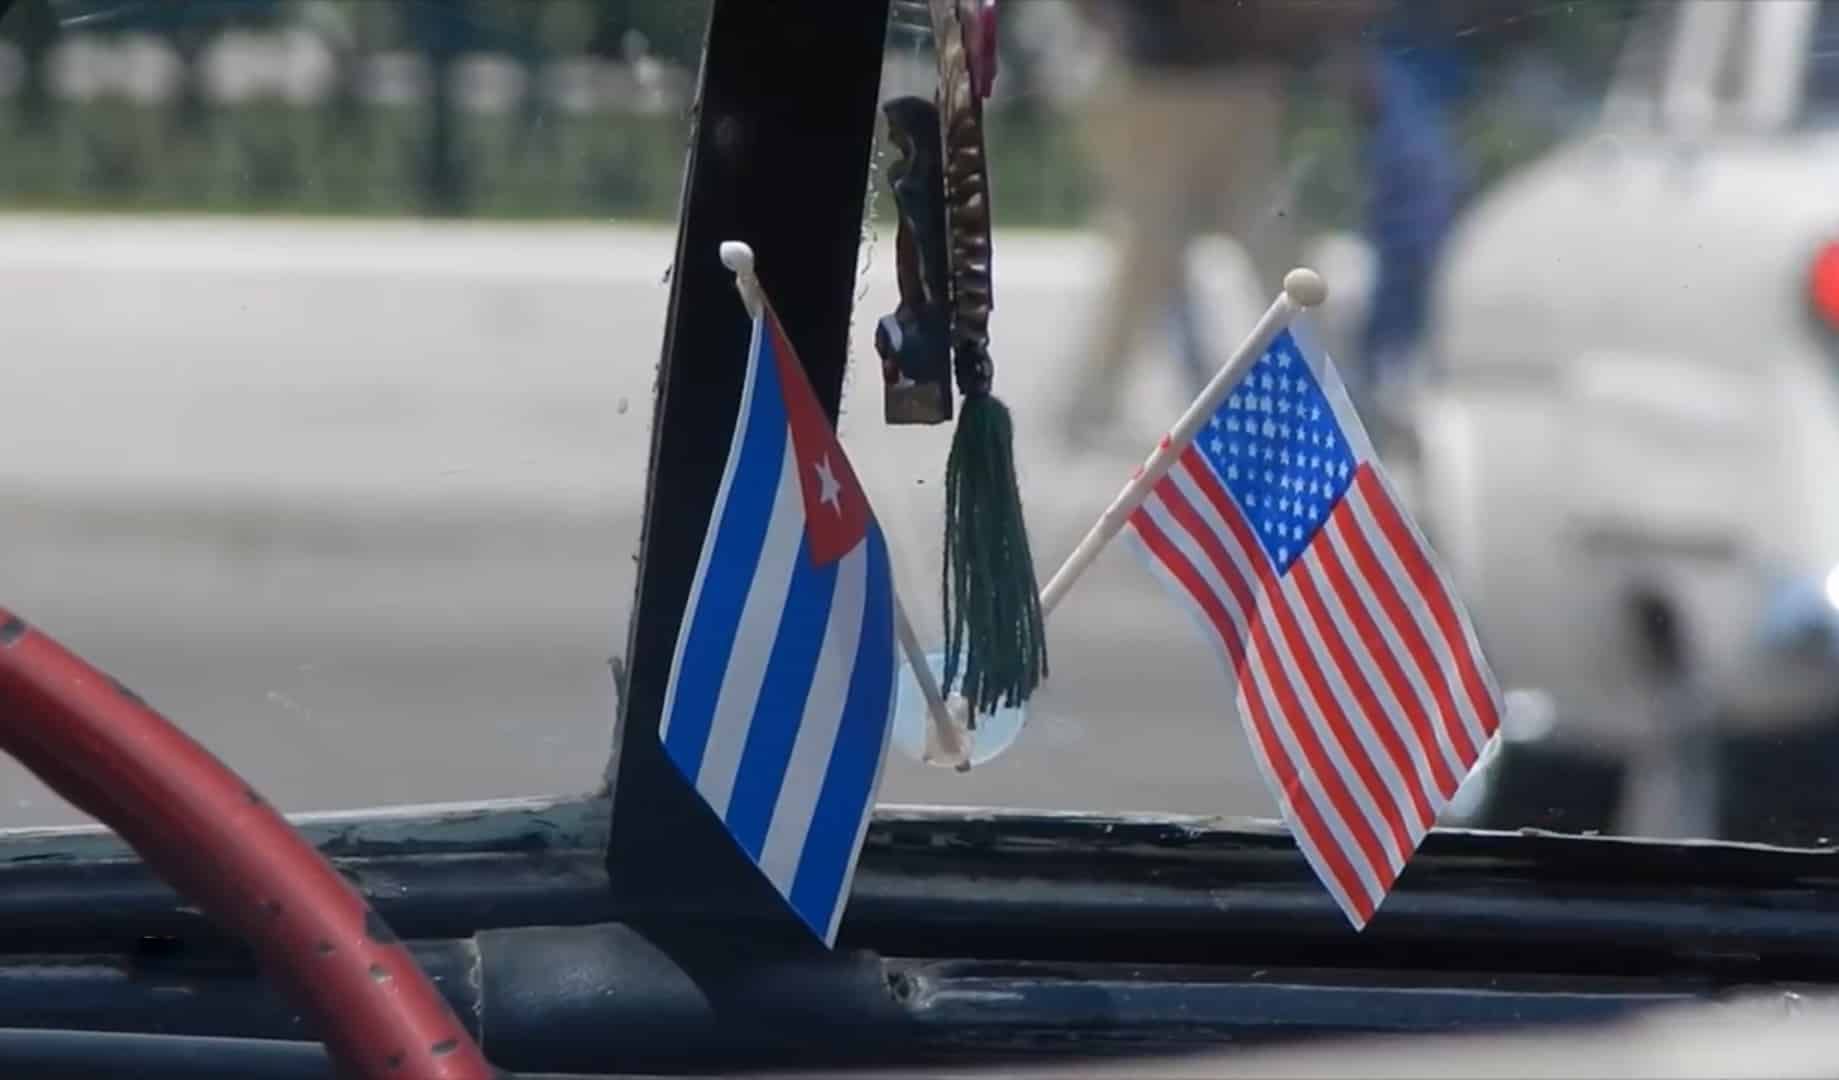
(993,630)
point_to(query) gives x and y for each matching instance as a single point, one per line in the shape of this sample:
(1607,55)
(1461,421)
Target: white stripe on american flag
(1357,676)
(1356,822)
(1381,555)
(1357,828)
(1409,726)
(1380,835)
(1404,556)
(1429,613)
(1299,653)
(1400,801)
(1411,663)
(1301,808)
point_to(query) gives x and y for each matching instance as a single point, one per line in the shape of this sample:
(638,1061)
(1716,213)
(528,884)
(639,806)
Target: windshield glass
(1823,68)
(329,378)
(1457,174)
(334,327)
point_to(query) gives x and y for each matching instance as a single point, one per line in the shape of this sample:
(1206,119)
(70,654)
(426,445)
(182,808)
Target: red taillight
(1823,283)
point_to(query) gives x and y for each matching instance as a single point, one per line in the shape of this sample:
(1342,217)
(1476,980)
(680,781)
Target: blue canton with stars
(1276,444)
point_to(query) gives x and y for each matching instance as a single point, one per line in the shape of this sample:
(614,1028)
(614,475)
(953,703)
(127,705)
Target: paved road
(358,504)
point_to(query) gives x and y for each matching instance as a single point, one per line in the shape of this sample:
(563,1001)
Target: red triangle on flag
(836,510)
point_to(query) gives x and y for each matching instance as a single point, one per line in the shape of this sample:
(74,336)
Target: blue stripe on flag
(717,605)
(781,706)
(855,761)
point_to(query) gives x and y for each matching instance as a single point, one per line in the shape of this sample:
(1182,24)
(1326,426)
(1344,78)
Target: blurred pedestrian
(1187,136)
(1408,85)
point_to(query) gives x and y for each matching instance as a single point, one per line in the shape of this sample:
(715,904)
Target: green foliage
(348,157)
(272,157)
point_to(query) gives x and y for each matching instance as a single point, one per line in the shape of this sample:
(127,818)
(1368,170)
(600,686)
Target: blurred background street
(359,504)
(329,331)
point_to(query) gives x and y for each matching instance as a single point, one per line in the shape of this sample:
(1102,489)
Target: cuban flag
(782,686)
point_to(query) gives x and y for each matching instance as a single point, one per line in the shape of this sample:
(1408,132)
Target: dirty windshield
(333,328)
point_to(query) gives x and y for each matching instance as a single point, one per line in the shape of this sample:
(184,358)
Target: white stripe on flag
(1261,668)
(1402,656)
(753,640)
(855,845)
(743,424)
(1397,713)
(1374,878)
(1393,800)
(1189,604)
(817,730)
(1307,839)
(1418,605)
(1157,507)
(1375,805)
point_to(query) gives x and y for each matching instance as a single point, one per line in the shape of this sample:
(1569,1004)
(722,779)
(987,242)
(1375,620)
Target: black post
(444,27)
(37,31)
(779,159)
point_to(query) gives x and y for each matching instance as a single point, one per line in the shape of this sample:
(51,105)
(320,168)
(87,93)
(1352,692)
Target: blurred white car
(1630,445)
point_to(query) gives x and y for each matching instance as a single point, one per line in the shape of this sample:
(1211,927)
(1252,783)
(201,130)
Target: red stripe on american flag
(1368,698)
(1210,602)
(1347,528)
(1429,585)
(1264,654)
(1390,664)
(1307,665)
(1177,504)
(1346,881)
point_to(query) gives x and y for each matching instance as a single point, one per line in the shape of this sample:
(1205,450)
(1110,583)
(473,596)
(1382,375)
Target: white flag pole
(948,746)
(1302,289)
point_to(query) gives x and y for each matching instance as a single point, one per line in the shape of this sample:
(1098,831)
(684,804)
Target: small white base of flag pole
(948,739)
(1302,289)
(947,743)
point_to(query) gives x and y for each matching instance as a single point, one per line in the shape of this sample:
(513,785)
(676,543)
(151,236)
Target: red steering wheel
(222,846)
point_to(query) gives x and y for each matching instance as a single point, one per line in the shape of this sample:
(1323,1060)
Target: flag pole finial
(738,257)
(1303,286)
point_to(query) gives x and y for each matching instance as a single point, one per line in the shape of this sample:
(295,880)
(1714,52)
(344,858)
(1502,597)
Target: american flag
(1358,677)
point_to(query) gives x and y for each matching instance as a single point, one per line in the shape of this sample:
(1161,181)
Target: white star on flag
(828,490)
